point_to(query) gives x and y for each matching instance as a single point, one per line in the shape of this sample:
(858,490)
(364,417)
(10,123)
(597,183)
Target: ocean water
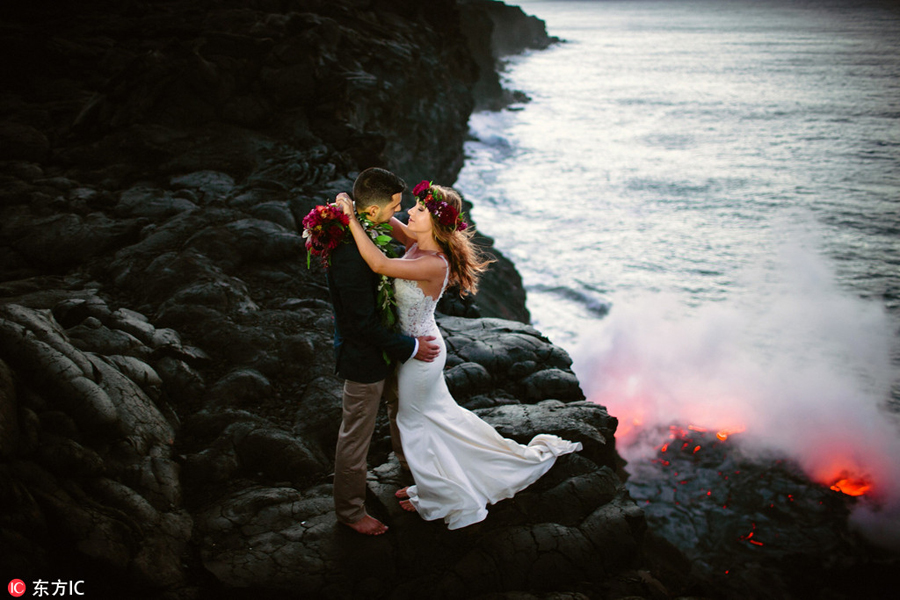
(703,199)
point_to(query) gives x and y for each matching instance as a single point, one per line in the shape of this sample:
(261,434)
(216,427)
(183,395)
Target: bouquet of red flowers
(324,229)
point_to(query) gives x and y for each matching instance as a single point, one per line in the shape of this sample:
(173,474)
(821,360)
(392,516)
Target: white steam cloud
(800,364)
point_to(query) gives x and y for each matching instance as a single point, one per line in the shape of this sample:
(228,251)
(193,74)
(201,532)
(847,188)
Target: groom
(360,343)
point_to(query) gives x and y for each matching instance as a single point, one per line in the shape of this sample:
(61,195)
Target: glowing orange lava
(676,432)
(724,433)
(852,487)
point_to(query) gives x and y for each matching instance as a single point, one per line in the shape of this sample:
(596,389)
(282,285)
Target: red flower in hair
(446,214)
(422,186)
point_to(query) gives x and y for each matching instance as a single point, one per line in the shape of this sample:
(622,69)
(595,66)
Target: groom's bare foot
(407,506)
(402,493)
(368,526)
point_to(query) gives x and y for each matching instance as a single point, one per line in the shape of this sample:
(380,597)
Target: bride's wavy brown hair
(467,262)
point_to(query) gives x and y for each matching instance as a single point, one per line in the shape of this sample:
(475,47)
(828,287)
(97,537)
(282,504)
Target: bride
(460,464)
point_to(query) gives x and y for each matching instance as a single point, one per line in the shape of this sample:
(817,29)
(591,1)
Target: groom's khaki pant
(361,402)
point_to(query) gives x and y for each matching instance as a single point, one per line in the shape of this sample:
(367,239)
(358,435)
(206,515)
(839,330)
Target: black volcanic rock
(135,87)
(100,474)
(494,30)
(168,406)
(510,359)
(105,426)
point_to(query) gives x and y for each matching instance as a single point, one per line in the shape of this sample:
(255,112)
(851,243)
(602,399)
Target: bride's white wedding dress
(459,462)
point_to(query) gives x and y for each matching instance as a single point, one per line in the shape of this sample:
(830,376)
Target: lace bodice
(414,308)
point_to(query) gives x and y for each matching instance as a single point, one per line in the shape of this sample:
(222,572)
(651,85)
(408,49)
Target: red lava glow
(676,432)
(749,536)
(848,481)
(852,487)
(724,433)
(629,426)
(835,476)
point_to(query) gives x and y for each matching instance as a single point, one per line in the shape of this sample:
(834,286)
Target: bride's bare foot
(402,493)
(407,506)
(368,526)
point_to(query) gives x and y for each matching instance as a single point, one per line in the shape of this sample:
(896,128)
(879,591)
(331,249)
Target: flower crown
(446,214)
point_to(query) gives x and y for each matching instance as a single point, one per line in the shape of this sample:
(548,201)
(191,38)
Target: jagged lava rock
(169,402)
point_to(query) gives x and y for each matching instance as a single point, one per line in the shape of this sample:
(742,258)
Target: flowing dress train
(459,462)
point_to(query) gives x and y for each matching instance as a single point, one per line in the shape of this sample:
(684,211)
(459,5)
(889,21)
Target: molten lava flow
(851,481)
(749,536)
(852,487)
(724,433)
(676,432)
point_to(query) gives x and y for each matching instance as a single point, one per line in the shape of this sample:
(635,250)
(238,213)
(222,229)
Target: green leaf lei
(387,303)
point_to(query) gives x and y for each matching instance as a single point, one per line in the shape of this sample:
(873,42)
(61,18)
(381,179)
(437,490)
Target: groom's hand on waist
(427,351)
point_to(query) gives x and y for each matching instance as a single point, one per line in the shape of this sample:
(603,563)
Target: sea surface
(703,199)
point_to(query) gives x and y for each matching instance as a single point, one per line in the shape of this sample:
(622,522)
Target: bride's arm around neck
(424,268)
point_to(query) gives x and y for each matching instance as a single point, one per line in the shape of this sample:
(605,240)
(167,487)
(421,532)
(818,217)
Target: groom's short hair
(376,186)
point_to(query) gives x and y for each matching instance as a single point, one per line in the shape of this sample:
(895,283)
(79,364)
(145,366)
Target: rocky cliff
(168,408)
(495,30)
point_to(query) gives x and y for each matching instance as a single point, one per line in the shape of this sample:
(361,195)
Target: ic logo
(16,588)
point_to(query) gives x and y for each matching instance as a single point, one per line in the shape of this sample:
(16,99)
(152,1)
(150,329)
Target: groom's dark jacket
(360,340)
